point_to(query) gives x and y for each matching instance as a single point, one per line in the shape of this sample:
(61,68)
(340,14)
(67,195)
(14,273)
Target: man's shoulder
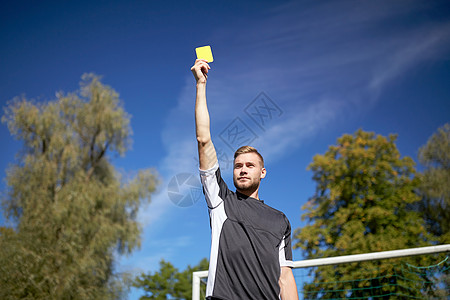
(211,171)
(274,210)
(282,218)
(213,182)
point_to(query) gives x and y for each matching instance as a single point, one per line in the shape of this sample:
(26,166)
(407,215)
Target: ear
(263,173)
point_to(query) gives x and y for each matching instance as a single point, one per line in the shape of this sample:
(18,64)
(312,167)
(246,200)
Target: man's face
(248,172)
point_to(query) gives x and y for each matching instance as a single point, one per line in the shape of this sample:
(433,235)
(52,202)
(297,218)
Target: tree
(435,183)
(73,211)
(168,282)
(360,205)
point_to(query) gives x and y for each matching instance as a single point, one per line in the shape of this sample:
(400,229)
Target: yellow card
(204,53)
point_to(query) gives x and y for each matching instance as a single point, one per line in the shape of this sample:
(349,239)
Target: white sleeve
(211,188)
(284,262)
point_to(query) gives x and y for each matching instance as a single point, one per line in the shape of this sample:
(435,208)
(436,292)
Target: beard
(246,186)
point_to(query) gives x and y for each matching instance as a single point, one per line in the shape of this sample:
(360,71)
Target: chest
(256,218)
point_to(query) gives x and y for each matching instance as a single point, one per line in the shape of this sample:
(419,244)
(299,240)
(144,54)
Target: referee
(251,255)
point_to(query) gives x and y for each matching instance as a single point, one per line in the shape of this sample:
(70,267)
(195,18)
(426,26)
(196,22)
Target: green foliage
(435,183)
(74,212)
(168,282)
(360,205)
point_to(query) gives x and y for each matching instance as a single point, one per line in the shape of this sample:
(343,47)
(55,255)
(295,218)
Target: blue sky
(329,67)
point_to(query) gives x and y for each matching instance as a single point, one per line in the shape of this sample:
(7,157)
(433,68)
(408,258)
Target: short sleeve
(214,187)
(285,248)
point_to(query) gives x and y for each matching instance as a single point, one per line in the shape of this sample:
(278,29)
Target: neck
(249,193)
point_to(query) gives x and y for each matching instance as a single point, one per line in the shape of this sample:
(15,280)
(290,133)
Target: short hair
(249,149)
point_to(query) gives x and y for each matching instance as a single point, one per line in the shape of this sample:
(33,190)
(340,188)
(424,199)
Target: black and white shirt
(250,242)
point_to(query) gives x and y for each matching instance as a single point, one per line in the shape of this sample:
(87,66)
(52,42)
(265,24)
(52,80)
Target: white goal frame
(197,276)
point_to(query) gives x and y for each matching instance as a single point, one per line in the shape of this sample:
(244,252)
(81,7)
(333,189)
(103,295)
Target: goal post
(197,276)
(196,280)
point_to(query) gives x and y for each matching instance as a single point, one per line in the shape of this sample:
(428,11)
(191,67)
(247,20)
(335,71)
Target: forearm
(202,123)
(288,287)
(206,153)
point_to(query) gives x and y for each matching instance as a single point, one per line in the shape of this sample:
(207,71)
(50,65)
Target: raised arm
(206,152)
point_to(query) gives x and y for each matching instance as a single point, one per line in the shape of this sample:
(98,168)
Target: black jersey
(250,242)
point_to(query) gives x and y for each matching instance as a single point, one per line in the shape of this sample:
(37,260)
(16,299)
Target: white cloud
(288,133)
(407,52)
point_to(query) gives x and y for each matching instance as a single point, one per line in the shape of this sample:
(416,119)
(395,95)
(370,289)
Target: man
(251,256)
